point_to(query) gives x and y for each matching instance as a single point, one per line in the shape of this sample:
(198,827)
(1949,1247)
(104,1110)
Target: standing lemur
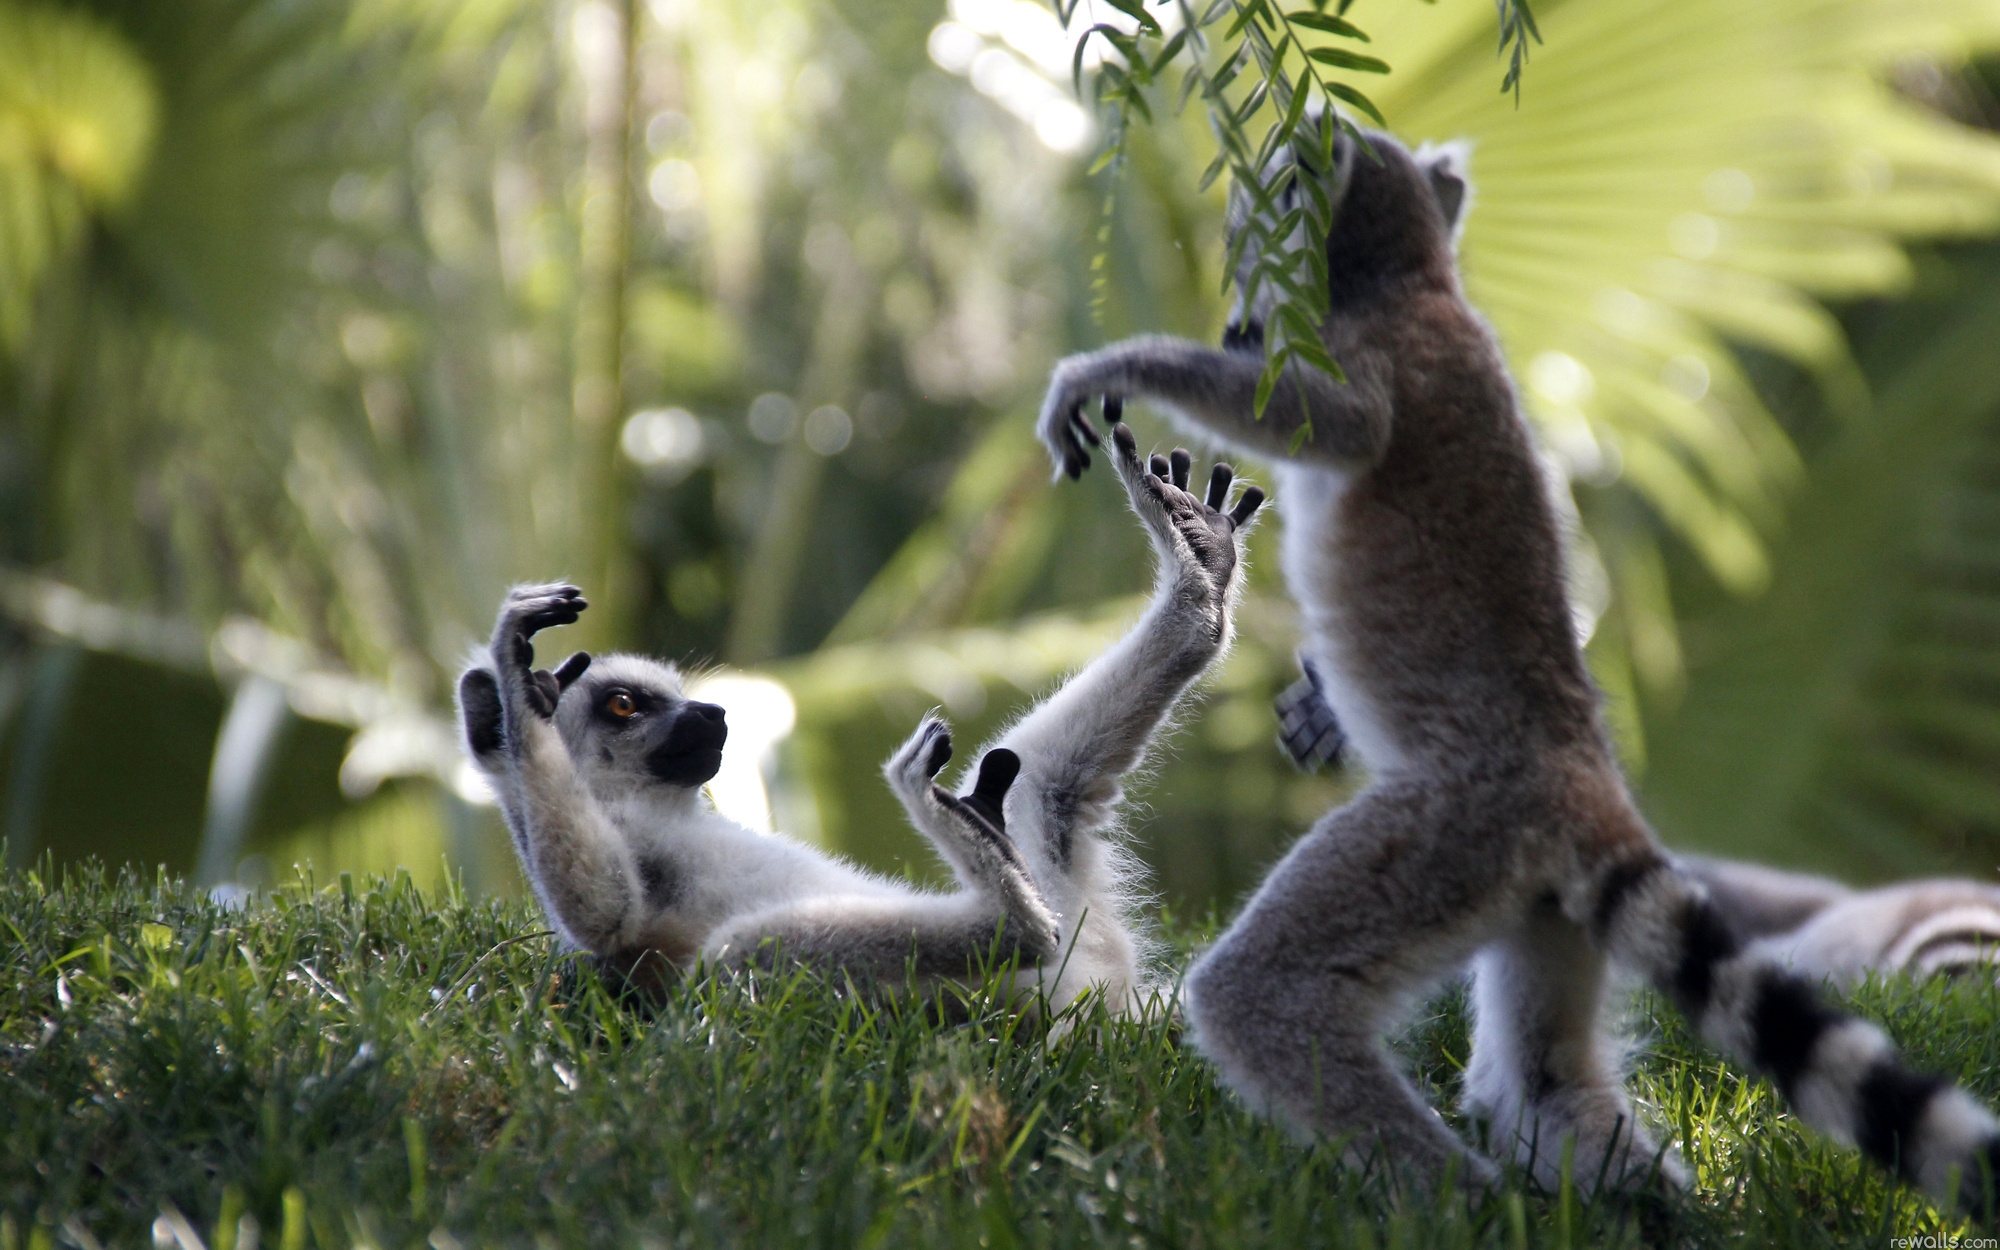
(599,767)
(1423,547)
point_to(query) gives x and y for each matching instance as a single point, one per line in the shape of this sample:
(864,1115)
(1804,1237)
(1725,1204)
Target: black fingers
(1220,475)
(569,670)
(996,773)
(1157,466)
(1181,462)
(1114,409)
(1246,507)
(550,606)
(940,751)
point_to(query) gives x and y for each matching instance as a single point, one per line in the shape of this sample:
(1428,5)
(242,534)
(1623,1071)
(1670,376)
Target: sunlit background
(323,321)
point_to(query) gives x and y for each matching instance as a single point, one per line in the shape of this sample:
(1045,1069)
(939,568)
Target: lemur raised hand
(599,767)
(1423,548)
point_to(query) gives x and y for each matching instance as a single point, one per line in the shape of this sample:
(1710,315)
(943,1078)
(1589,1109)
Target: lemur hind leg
(999,914)
(970,831)
(1389,894)
(1541,1073)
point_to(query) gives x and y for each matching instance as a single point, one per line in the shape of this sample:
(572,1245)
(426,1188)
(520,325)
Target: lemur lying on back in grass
(599,767)
(1422,545)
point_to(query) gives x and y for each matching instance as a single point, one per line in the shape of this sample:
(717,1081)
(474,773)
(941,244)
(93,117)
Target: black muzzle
(691,752)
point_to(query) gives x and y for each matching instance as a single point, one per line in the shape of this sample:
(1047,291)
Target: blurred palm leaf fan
(78,113)
(1849,719)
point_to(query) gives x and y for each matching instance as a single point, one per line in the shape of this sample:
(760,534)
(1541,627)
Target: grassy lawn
(366,1064)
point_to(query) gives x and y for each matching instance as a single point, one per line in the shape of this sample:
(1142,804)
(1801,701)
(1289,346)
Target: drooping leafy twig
(1273,63)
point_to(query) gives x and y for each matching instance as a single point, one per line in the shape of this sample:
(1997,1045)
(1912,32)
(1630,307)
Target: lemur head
(626,719)
(1396,219)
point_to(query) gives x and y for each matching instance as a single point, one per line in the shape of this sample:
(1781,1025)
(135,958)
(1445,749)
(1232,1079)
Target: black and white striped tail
(1841,1074)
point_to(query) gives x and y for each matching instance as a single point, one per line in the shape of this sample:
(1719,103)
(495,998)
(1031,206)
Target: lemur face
(628,715)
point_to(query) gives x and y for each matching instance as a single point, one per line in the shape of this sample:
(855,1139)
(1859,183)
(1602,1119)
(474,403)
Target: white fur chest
(1309,499)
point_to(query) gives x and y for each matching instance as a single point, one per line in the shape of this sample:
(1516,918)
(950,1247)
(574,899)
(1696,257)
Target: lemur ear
(569,670)
(1446,164)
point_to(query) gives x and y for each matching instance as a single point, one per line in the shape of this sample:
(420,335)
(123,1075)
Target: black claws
(1180,462)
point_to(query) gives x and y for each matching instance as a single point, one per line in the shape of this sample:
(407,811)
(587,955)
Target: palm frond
(1849,719)
(78,113)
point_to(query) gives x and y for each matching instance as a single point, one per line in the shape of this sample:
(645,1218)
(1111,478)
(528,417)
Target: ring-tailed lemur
(599,767)
(1422,544)
(1825,930)
(1818,927)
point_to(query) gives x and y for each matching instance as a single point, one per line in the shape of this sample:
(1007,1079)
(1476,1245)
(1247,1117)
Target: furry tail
(1842,1075)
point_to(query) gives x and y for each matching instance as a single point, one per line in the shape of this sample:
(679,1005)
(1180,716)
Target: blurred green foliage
(321,322)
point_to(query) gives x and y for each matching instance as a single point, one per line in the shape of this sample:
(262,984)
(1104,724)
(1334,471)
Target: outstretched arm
(581,869)
(1078,744)
(1213,392)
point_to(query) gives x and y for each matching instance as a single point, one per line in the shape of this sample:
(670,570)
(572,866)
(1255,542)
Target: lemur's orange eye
(621,704)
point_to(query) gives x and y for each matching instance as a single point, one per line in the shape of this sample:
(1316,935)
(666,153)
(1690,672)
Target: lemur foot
(980,810)
(921,757)
(1307,727)
(527,611)
(1206,533)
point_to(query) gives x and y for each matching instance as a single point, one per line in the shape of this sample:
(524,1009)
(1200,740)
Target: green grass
(368,1064)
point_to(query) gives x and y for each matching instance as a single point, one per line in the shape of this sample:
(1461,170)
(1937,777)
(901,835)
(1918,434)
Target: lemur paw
(1307,727)
(921,757)
(527,611)
(1062,426)
(1159,491)
(545,689)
